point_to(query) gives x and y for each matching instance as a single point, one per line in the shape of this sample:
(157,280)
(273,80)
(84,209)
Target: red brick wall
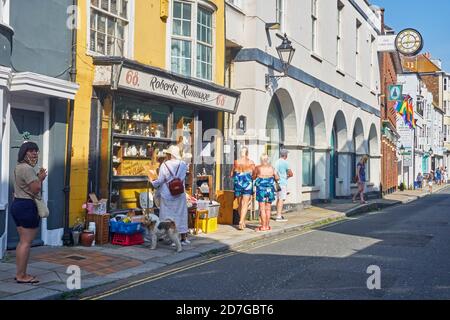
(388,149)
(432,83)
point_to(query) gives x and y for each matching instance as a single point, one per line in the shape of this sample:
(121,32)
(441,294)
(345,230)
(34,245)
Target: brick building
(390,66)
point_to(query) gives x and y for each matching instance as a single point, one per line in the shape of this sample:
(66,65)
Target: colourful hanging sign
(405,108)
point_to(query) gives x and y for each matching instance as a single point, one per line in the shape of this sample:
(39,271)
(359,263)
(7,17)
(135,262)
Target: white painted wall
(246,28)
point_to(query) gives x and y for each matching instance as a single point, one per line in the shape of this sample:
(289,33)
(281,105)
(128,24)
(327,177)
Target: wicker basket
(101,227)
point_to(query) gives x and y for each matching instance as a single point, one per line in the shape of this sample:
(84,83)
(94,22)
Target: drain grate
(75,257)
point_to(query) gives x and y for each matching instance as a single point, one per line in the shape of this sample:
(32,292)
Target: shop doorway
(23,123)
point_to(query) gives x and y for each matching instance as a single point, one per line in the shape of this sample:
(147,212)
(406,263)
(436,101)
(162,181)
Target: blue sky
(429,17)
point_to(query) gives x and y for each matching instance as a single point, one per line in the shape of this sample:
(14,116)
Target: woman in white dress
(172,207)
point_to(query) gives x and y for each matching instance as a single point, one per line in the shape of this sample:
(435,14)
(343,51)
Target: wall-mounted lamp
(286,53)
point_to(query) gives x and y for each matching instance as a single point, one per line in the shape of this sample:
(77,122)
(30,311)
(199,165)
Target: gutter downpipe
(73,72)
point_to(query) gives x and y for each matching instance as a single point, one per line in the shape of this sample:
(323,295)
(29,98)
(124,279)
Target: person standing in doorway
(27,187)
(361,178)
(284,172)
(241,173)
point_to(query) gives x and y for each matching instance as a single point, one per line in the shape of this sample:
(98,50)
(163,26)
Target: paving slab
(13,287)
(35,294)
(44,265)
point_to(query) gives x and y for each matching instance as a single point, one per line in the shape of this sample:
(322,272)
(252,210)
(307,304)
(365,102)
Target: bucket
(76,237)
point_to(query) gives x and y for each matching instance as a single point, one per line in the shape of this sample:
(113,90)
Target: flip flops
(33,280)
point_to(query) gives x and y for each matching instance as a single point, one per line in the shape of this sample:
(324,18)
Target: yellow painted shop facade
(151,74)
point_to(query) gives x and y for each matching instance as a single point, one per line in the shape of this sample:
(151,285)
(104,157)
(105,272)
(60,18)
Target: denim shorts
(25,213)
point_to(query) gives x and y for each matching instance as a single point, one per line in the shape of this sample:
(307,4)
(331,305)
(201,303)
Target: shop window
(308,152)
(192,40)
(141,119)
(108,24)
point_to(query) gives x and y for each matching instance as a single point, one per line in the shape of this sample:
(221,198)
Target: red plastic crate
(128,239)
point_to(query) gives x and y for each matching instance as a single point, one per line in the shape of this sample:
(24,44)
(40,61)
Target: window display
(139,136)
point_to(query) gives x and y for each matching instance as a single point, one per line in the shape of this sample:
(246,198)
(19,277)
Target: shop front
(137,112)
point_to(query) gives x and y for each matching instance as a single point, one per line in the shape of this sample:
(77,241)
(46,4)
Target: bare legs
(264,216)
(279,207)
(360,192)
(23,252)
(243,208)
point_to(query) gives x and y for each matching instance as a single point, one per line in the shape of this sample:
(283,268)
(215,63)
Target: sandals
(33,280)
(260,229)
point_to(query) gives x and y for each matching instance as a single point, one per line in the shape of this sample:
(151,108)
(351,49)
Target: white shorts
(282,195)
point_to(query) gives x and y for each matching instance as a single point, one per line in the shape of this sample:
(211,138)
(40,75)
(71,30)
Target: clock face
(409,42)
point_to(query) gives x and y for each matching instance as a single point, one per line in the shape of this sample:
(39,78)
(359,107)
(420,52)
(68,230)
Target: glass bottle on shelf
(159,131)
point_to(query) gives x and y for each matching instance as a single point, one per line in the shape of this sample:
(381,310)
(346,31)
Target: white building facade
(446,105)
(326,110)
(416,142)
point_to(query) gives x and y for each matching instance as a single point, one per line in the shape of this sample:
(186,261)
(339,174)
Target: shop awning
(122,74)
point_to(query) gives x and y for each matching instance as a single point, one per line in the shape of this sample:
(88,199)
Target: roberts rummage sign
(173,89)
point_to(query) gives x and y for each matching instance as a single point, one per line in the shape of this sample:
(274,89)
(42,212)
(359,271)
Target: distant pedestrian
(265,177)
(284,172)
(361,178)
(27,187)
(438,176)
(419,180)
(430,179)
(445,175)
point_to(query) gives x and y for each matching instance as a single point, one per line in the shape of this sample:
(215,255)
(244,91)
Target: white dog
(156,229)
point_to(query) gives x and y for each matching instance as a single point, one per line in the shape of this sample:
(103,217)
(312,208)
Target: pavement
(108,263)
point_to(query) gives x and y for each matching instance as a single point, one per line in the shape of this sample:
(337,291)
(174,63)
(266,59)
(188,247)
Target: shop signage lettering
(138,80)
(155,84)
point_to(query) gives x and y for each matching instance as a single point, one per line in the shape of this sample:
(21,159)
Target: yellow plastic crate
(211,223)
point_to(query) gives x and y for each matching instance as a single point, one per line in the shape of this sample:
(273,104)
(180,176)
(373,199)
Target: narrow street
(409,243)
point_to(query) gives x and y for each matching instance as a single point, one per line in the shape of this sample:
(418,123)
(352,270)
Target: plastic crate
(213,210)
(125,228)
(207,225)
(128,239)
(101,227)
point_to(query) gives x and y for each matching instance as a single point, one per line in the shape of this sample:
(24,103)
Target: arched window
(308,151)
(274,130)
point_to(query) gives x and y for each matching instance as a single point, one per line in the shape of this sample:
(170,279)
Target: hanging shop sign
(173,89)
(395,92)
(386,43)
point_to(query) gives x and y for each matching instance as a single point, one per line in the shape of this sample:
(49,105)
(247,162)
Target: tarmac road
(410,244)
